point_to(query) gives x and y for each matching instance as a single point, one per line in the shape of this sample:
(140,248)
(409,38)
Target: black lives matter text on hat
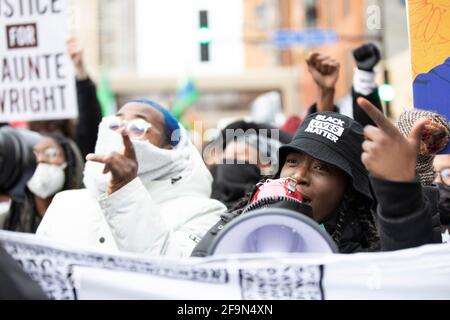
(330,128)
(335,139)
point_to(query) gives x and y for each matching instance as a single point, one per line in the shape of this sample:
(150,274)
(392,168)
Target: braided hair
(355,212)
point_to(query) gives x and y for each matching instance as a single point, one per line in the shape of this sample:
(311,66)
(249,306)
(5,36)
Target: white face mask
(47,180)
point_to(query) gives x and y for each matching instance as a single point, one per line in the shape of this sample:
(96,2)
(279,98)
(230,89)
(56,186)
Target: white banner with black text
(73,273)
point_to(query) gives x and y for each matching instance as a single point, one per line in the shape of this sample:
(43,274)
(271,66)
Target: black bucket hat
(335,139)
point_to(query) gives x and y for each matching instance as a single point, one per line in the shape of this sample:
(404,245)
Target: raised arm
(404,213)
(89,111)
(325,73)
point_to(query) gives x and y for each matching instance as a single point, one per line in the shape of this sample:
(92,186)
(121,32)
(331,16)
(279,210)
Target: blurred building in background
(146,47)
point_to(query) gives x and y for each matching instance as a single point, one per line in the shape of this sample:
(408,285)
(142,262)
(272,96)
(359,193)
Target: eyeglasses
(136,128)
(48,154)
(444,174)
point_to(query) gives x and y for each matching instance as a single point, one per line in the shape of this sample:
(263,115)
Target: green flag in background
(187,95)
(105,96)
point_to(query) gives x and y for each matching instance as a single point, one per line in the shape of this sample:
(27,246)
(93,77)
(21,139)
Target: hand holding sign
(35,74)
(386,153)
(123,168)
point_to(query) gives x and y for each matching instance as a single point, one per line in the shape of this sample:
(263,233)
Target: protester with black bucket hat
(337,164)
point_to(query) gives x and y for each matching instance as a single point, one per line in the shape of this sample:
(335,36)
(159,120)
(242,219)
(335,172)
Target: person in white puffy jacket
(147,189)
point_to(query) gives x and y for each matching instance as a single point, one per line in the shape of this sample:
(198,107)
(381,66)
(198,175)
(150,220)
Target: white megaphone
(272,230)
(265,227)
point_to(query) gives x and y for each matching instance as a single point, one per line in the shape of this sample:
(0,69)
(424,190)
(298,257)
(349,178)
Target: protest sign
(36,76)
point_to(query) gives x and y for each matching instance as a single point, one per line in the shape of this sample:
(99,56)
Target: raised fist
(367,57)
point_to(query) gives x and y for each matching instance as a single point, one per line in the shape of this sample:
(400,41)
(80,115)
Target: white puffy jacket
(162,218)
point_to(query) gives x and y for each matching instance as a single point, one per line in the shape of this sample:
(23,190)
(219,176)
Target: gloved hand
(367,57)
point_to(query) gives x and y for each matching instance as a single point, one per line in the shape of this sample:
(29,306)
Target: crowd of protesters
(134,182)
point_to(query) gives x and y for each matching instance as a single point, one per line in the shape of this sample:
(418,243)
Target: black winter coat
(89,117)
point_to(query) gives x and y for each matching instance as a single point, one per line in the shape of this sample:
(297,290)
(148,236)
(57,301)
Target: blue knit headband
(170,121)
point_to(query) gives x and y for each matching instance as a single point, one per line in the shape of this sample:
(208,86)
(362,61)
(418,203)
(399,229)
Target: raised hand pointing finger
(129,148)
(377,117)
(123,167)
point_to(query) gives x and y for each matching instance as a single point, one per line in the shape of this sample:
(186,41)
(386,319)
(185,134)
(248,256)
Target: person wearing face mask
(17,165)
(246,160)
(435,138)
(147,189)
(59,166)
